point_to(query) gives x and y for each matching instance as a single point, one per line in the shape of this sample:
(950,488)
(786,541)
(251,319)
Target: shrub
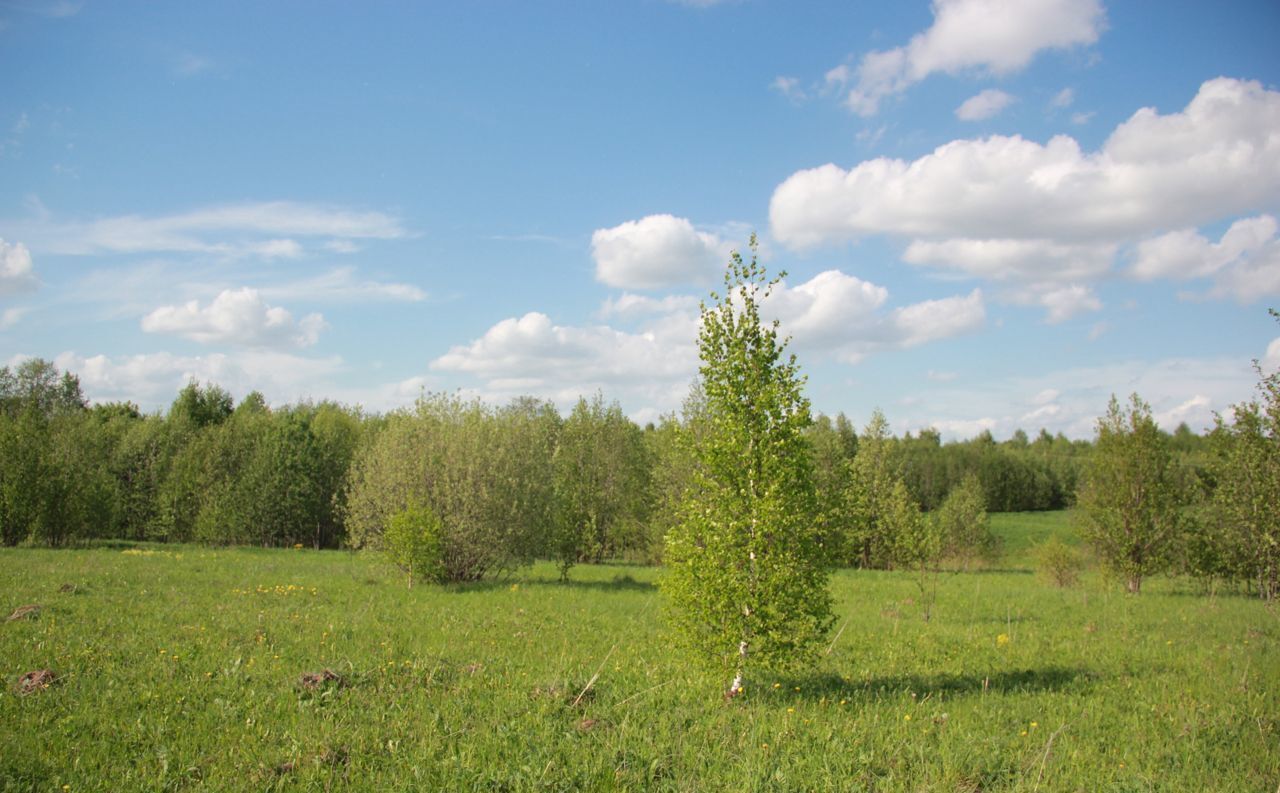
(1059,562)
(413,541)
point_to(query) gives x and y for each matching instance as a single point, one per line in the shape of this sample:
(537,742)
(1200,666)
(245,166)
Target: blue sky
(993,215)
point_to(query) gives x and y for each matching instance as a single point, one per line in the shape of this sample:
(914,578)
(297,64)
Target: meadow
(189,667)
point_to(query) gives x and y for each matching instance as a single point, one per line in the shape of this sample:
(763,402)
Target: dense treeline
(497,487)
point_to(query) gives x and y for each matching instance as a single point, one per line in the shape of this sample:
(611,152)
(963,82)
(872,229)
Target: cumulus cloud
(16,273)
(990,36)
(1216,158)
(236,316)
(1244,263)
(1051,216)
(657,251)
(1063,98)
(832,315)
(983,105)
(532,355)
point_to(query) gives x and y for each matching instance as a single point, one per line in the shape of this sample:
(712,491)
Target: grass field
(181,668)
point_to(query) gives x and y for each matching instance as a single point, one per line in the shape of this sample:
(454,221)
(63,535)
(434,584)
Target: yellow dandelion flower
(906,717)
(1002,640)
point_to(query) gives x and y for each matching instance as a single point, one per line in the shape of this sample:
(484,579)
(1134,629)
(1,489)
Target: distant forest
(209,470)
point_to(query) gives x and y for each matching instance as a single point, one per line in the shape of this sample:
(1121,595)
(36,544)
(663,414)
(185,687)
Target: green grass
(1023,531)
(178,668)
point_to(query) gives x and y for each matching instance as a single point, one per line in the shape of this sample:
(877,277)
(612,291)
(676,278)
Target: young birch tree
(747,578)
(1130,497)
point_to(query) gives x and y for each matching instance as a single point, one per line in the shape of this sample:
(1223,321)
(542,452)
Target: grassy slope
(177,671)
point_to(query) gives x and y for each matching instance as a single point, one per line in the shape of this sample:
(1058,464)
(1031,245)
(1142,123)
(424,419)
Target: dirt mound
(325,677)
(27,612)
(36,680)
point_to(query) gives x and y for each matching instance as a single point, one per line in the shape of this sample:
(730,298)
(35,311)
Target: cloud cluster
(239,317)
(154,379)
(995,37)
(1243,264)
(653,358)
(1050,217)
(1179,390)
(655,252)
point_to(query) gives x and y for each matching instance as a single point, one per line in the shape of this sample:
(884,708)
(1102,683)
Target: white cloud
(1217,158)
(153,380)
(934,320)
(1271,360)
(10,317)
(1244,263)
(1192,410)
(1063,98)
(831,315)
(1051,218)
(630,306)
(657,251)
(788,87)
(239,317)
(1071,400)
(263,229)
(1014,259)
(1061,302)
(941,377)
(1080,119)
(983,105)
(342,285)
(991,36)
(16,273)
(532,355)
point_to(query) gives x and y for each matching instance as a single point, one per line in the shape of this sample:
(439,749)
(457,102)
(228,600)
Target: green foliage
(964,526)
(486,473)
(875,470)
(1241,528)
(202,406)
(1132,497)
(603,480)
(1059,562)
(834,447)
(1016,475)
(413,541)
(37,385)
(747,580)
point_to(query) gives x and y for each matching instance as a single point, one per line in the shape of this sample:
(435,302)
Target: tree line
(480,489)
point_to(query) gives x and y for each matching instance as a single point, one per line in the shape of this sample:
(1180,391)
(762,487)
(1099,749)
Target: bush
(1059,562)
(413,541)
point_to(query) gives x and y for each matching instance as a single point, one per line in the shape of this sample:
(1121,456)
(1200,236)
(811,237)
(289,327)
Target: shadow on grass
(619,583)
(831,686)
